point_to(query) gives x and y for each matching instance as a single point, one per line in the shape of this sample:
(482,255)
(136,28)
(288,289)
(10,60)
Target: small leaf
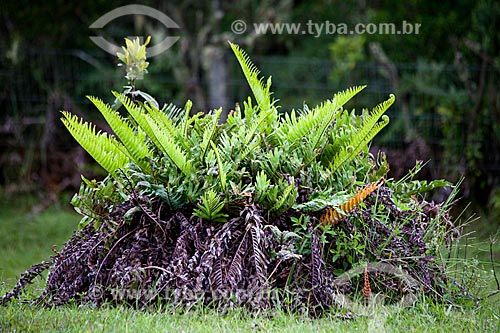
(130,214)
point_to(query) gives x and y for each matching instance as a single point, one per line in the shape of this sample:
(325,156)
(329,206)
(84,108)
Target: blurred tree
(346,53)
(205,28)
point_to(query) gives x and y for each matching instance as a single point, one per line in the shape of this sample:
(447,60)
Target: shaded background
(446,80)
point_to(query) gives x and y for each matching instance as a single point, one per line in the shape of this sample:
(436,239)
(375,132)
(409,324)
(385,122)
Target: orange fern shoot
(367,290)
(334,216)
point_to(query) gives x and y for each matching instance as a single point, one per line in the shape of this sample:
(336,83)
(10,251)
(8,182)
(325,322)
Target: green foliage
(260,90)
(408,187)
(261,186)
(346,52)
(365,134)
(135,143)
(104,148)
(421,186)
(220,167)
(134,58)
(210,208)
(349,246)
(285,188)
(314,123)
(95,201)
(322,200)
(212,169)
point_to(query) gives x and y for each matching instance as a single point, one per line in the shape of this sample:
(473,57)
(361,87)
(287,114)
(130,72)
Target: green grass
(426,317)
(26,239)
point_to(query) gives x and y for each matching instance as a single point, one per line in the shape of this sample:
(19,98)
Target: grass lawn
(27,238)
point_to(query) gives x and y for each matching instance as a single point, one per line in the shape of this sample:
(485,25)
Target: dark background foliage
(445,79)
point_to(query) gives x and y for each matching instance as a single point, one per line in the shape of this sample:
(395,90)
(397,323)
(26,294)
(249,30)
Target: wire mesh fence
(39,82)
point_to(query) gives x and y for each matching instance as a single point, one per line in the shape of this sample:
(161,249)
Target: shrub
(266,209)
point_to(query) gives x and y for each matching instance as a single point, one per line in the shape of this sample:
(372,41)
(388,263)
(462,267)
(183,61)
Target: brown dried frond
(367,290)
(54,249)
(333,216)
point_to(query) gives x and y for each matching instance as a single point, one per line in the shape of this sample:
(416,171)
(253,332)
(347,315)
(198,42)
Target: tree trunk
(217,78)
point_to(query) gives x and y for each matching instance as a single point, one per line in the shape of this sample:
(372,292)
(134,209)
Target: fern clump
(267,208)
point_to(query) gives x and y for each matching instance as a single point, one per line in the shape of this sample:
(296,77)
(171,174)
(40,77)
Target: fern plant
(271,157)
(304,161)
(366,133)
(210,208)
(104,148)
(254,202)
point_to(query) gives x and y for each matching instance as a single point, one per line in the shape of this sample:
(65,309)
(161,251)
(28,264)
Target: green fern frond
(140,117)
(168,146)
(320,202)
(174,112)
(345,96)
(160,129)
(220,167)
(157,126)
(168,125)
(368,130)
(249,110)
(210,208)
(162,120)
(101,146)
(261,186)
(135,143)
(209,132)
(185,122)
(143,121)
(263,117)
(286,200)
(260,90)
(330,110)
(250,147)
(293,129)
